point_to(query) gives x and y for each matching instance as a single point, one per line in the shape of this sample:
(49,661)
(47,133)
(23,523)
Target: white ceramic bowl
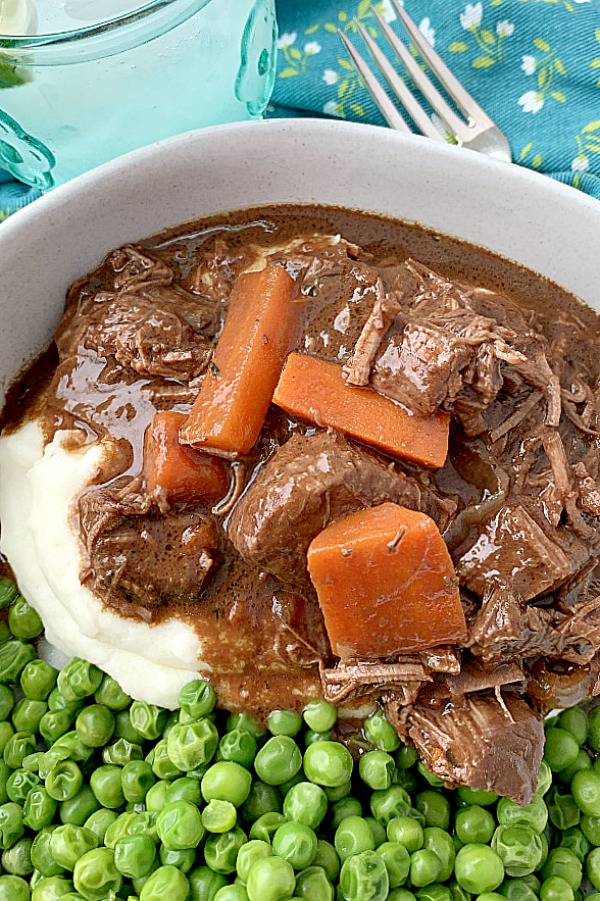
(526,217)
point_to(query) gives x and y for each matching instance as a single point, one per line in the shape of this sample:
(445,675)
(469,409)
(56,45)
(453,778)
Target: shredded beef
(481,741)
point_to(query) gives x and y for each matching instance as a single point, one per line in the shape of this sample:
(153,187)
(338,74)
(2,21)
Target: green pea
(407,831)
(406,757)
(474,824)
(148,719)
(312,884)
(440,842)
(5,772)
(67,747)
(476,796)
(534,814)
(561,749)
(246,723)
(590,826)
(562,809)
(585,789)
(64,780)
(7,701)
(41,858)
(95,875)
(183,860)
(11,824)
(68,843)
(327,763)
(14,655)
(431,778)
(197,698)
(397,862)
(478,868)
(285,787)
(19,784)
(162,765)
(284,722)
(8,592)
(105,782)
(179,825)
(435,808)
(16,860)
(238,746)
(235,892)
(111,695)
(352,836)
(23,621)
(564,863)
(221,851)
(376,769)
(379,832)
(95,725)
(278,760)
(306,803)
(51,888)
(55,723)
(310,736)
(13,888)
(77,809)
(18,746)
(270,879)
(248,853)
(390,803)
(582,762)
(192,745)
(363,876)
(57,701)
(327,859)
(262,798)
(205,883)
(381,733)
(136,778)
(592,867)
(99,821)
(556,889)
(575,841)
(226,781)
(519,848)
(157,796)
(544,778)
(134,856)
(27,714)
(219,816)
(78,679)
(266,826)
(519,890)
(295,843)
(125,729)
(122,752)
(320,716)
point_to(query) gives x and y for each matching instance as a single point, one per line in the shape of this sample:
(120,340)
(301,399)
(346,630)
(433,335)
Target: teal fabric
(533,64)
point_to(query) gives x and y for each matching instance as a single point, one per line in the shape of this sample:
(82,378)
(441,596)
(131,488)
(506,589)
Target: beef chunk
(513,552)
(137,557)
(481,742)
(504,629)
(309,482)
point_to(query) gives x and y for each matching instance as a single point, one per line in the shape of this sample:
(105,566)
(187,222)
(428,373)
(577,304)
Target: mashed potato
(37,488)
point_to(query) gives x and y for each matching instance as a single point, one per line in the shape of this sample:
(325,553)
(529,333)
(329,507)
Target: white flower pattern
(286,40)
(580,163)
(528,64)
(387,10)
(427,31)
(472,15)
(331,108)
(312,48)
(531,101)
(330,76)
(505,28)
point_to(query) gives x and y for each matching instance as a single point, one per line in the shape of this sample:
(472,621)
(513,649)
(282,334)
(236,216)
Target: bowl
(521,215)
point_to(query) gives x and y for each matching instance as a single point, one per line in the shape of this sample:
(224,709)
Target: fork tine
(385,105)
(406,98)
(466,103)
(422,81)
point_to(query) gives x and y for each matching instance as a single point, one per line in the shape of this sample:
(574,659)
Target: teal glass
(84,81)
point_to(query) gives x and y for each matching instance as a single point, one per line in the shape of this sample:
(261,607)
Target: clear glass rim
(101,28)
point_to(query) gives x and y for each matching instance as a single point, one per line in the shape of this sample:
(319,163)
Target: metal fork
(476,131)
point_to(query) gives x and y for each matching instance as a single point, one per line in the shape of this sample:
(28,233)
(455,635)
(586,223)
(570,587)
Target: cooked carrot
(314,389)
(260,327)
(385,583)
(176,472)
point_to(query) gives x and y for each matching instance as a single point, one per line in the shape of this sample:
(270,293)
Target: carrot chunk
(173,471)
(314,389)
(385,583)
(260,327)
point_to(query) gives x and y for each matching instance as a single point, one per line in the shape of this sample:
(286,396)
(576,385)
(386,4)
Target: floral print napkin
(534,65)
